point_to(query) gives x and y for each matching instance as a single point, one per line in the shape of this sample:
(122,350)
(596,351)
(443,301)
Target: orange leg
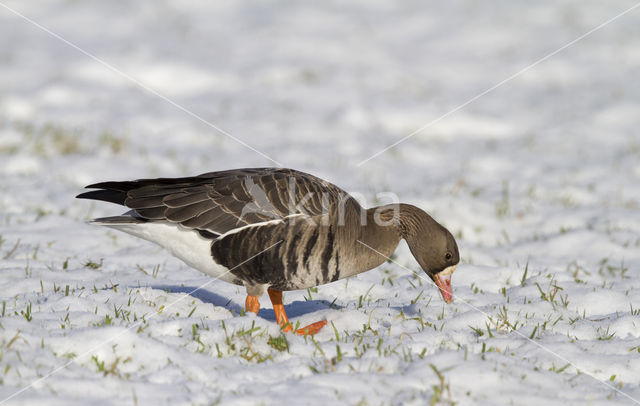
(252,304)
(283,321)
(278,308)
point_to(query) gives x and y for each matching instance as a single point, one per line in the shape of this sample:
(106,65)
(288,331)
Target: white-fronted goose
(272,229)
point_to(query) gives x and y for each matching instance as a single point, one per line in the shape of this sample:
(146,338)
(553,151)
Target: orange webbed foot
(311,329)
(281,316)
(252,304)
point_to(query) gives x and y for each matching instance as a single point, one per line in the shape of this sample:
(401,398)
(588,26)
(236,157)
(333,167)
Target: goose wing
(218,202)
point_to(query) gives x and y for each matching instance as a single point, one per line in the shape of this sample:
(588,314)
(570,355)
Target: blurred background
(521,135)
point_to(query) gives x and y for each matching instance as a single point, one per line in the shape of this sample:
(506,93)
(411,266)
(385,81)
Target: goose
(275,230)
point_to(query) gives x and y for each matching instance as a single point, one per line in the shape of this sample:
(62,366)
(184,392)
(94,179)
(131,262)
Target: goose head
(433,247)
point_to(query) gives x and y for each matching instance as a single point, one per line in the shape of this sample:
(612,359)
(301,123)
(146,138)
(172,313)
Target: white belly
(183,243)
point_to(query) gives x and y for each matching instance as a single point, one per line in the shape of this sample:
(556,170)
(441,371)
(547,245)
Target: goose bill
(443,282)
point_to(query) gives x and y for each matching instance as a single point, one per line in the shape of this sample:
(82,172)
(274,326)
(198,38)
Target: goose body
(274,229)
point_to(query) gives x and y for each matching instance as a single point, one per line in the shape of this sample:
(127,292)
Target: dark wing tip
(94,186)
(117,186)
(111,196)
(113,192)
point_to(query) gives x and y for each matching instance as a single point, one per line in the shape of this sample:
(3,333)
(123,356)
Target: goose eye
(447,256)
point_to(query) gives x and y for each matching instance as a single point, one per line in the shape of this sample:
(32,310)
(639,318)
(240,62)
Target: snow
(538,179)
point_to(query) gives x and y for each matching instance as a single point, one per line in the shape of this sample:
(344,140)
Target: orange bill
(443,282)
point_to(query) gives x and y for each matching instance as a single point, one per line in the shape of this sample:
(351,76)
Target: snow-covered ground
(539,179)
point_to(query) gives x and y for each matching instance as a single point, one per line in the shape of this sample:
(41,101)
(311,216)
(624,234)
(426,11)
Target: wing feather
(184,199)
(183,213)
